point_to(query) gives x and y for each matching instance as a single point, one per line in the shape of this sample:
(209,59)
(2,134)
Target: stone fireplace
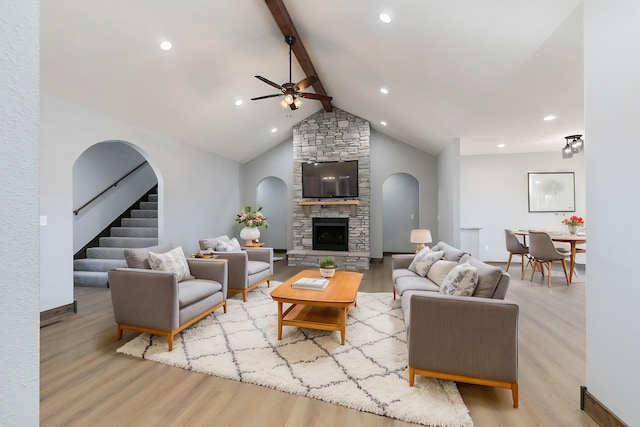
(332,136)
(331,234)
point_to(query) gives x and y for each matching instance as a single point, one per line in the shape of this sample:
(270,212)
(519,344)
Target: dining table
(572,239)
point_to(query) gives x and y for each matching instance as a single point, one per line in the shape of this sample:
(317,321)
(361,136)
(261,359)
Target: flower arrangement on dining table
(250,218)
(575,221)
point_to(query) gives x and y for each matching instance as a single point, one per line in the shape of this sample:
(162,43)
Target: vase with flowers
(251,219)
(573,222)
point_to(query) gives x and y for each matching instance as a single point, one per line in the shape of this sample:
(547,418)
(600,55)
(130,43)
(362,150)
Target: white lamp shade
(420,236)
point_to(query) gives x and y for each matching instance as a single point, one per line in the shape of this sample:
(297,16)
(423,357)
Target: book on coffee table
(310,283)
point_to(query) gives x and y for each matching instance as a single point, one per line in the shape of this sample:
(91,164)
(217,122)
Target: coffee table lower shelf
(313,317)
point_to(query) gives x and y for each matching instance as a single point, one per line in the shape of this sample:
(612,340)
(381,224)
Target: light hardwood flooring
(84,382)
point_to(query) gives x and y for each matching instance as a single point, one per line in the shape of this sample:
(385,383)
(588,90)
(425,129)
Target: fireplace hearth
(331,234)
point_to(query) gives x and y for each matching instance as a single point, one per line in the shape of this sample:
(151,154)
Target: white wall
(19,121)
(495,201)
(95,170)
(198,191)
(612,112)
(449,194)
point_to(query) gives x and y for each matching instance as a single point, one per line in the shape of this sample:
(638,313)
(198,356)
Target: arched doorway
(271,194)
(400,212)
(109,178)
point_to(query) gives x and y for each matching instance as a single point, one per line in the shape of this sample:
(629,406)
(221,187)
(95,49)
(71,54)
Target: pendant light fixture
(573,145)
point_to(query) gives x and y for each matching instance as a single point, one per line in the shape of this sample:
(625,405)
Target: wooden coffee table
(318,309)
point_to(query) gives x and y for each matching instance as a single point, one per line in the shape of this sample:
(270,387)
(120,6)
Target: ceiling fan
(293,91)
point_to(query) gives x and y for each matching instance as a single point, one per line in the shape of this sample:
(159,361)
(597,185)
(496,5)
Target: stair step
(149,205)
(128,242)
(153,198)
(134,232)
(98,264)
(108,253)
(139,222)
(144,213)
(93,279)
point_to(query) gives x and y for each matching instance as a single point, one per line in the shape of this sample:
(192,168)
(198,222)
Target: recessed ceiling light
(549,117)
(274,130)
(166,45)
(502,145)
(239,102)
(383,123)
(384,17)
(384,90)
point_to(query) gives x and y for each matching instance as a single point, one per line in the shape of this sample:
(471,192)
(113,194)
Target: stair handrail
(75,212)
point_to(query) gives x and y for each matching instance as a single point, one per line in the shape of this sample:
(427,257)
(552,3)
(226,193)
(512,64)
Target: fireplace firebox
(331,234)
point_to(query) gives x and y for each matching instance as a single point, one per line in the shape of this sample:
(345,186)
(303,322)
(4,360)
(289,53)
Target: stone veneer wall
(330,136)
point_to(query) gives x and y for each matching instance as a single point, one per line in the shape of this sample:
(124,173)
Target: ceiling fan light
(284,104)
(297,102)
(288,98)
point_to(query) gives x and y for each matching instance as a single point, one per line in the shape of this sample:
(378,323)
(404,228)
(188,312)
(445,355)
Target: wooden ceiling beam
(282,18)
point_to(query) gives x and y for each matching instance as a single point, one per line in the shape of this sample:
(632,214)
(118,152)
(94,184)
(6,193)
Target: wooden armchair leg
(119,332)
(412,374)
(514,393)
(509,261)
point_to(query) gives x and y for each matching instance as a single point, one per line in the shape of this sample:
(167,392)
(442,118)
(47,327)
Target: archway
(108,179)
(271,194)
(400,212)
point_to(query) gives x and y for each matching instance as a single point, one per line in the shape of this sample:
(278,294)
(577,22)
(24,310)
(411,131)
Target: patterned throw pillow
(173,261)
(416,259)
(423,266)
(460,281)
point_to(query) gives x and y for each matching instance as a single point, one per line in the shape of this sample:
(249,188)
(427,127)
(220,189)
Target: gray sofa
(472,339)
(153,301)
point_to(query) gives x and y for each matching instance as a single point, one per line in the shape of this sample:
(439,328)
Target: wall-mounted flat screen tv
(324,180)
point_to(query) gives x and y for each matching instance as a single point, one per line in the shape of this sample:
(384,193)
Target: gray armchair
(466,339)
(248,269)
(152,301)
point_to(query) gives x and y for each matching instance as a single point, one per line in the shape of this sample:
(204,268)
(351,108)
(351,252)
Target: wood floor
(84,382)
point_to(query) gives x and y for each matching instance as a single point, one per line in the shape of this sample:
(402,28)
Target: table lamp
(420,237)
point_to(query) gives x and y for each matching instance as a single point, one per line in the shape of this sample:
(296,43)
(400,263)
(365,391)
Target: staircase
(140,230)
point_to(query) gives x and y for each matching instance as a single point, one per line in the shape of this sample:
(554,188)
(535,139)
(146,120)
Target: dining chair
(515,247)
(543,251)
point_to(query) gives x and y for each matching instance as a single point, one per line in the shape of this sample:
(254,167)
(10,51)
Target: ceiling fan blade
(266,96)
(315,96)
(306,82)
(269,82)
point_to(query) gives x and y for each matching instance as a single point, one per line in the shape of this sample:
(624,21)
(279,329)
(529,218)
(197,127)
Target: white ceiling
(484,71)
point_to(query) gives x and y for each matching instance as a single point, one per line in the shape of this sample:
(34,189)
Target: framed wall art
(552,192)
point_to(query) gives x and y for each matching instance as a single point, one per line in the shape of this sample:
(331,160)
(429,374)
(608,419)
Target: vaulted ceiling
(484,71)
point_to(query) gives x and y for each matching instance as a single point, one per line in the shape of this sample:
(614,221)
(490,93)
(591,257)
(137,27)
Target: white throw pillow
(231,246)
(173,261)
(419,256)
(423,266)
(461,281)
(439,271)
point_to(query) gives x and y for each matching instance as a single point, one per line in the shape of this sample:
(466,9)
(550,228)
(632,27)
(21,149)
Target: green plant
(327,262)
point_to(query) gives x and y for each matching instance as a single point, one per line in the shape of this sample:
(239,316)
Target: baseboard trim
(57,314)
(597,411)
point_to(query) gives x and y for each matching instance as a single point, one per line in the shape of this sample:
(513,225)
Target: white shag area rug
(369,373)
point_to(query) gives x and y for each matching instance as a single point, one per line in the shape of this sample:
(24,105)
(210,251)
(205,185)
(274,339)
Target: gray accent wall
(273,196)
(95,170)
(400,211)
(449,194)
(198,192)
(19,192)
(388,157)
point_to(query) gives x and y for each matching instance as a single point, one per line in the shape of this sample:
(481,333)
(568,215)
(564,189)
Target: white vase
(249,234)
(327,272)
(573,229)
